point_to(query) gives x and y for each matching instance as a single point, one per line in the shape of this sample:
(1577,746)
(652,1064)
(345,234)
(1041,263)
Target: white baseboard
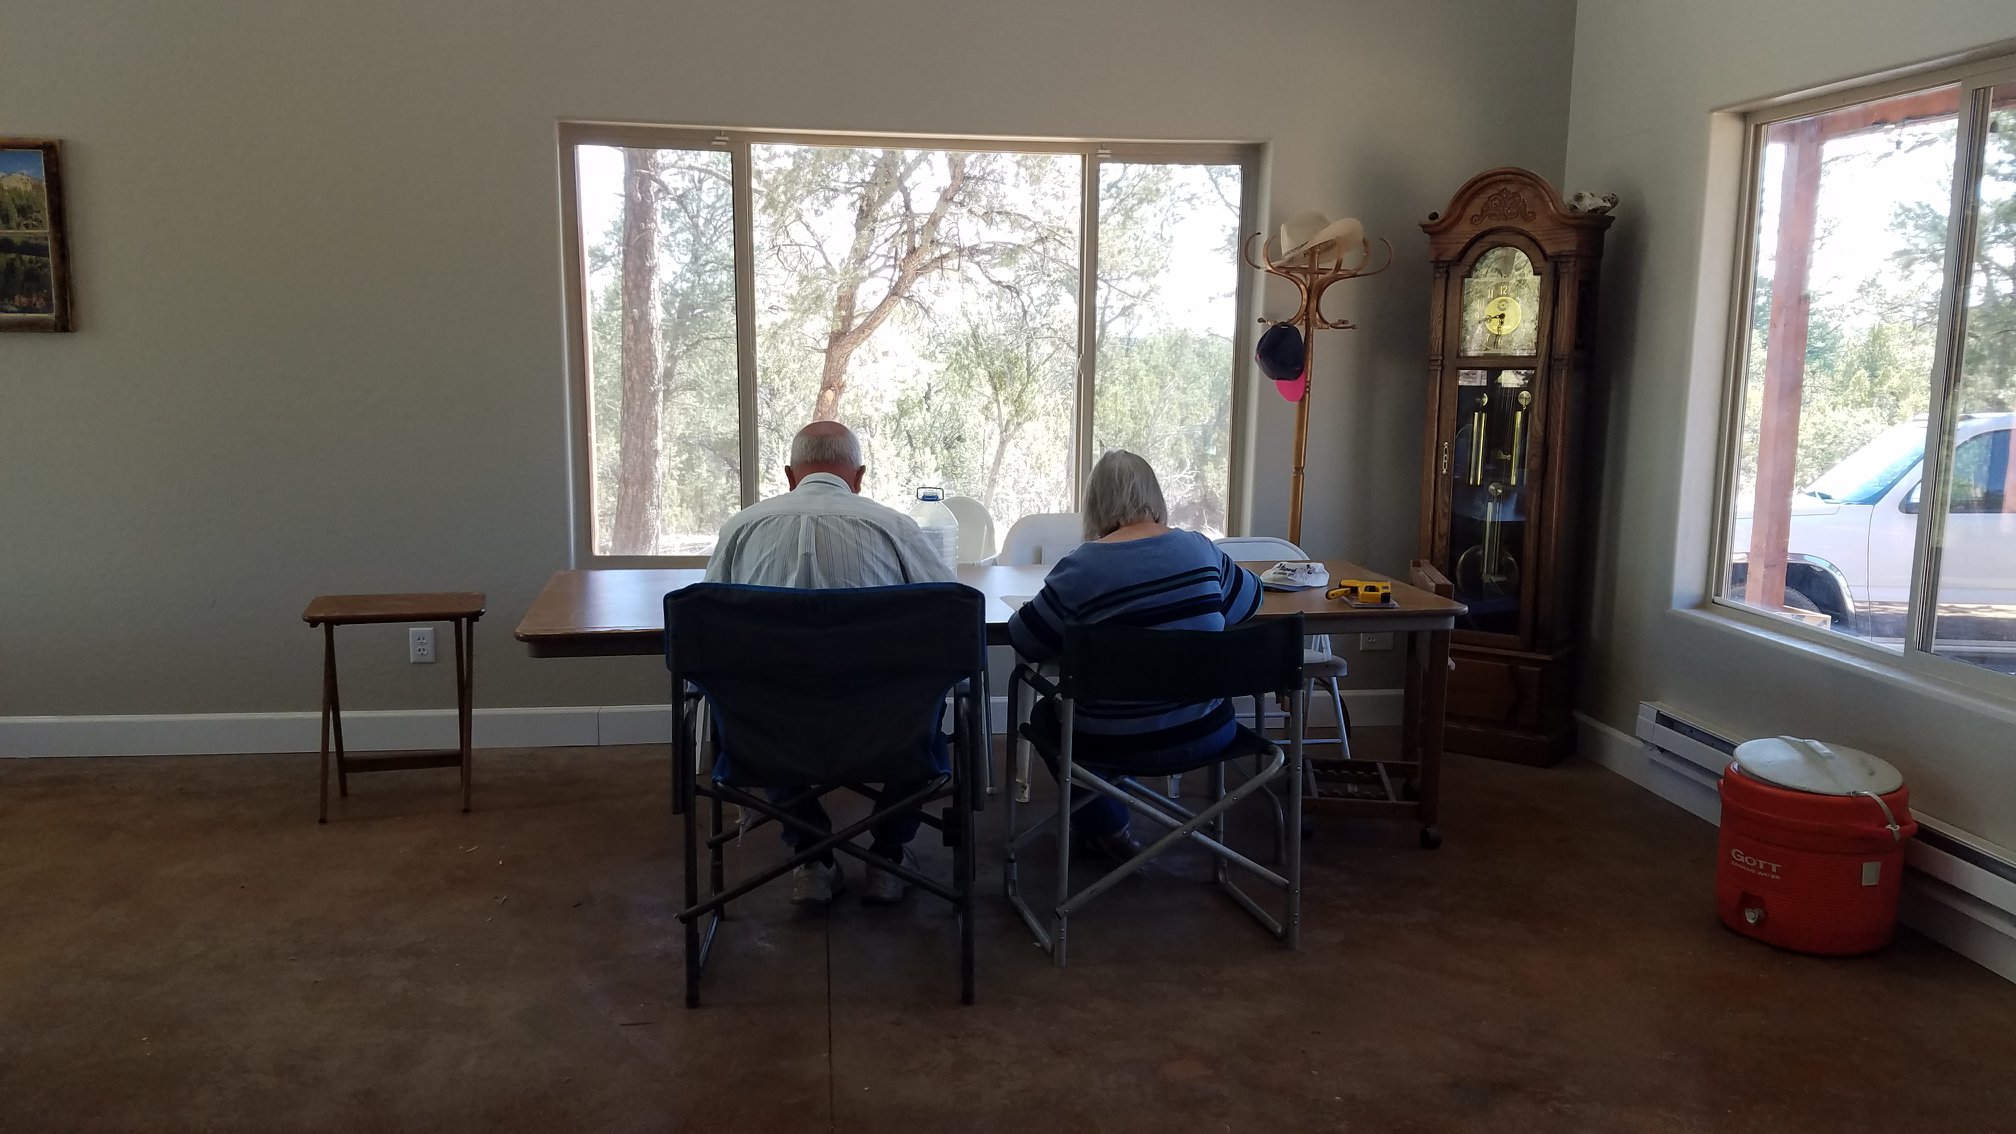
(1977,930)
(204,734)
(1675,781)
(633,724)
(193,734)
(1615,750)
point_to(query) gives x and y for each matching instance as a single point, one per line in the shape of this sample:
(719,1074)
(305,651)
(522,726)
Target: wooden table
(462,608)
(619,612)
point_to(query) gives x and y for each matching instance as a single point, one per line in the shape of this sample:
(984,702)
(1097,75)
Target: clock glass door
(1488,492)
(1497,397)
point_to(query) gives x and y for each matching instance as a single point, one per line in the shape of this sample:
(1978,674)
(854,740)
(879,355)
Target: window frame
(1976,79)
(1093,154)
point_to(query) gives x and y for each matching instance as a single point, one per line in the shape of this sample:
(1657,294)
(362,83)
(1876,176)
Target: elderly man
(823,533)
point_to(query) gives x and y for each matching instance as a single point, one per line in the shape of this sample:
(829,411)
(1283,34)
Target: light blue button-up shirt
(822,534)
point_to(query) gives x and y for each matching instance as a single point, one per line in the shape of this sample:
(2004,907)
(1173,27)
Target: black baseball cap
(1280,355)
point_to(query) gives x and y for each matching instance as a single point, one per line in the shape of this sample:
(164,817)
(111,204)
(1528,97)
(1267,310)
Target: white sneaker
(885,888)
(816,884)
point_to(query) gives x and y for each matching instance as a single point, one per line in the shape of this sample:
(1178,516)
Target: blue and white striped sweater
(1175,581)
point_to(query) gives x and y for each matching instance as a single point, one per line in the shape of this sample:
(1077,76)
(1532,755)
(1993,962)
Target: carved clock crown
(1508,197)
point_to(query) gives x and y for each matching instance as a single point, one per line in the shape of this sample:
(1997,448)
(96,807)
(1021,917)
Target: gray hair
(836,446)
(1122,490)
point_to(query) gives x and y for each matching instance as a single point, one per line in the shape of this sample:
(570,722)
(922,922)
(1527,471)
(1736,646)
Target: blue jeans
(887,837)
(1105,815)
(1099,818)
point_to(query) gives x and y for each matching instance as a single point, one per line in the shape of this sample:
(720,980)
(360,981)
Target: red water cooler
(1812,846)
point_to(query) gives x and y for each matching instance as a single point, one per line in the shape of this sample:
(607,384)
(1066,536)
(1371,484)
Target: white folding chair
(1044,537)
(1320,667)
(976,528)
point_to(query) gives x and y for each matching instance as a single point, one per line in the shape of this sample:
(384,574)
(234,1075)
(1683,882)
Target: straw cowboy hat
(1308,234)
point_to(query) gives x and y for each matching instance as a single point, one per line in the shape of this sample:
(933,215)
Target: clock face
(1502,315)
(1501,305)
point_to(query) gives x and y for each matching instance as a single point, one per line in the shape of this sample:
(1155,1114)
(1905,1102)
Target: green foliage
(1858,382)
(970,384)
(1167,396)
(27,285)
(1990,362)
(1164,382)
(24,207)
(702,461)
(1869,361)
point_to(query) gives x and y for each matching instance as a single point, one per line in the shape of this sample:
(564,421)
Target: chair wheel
(1431,838)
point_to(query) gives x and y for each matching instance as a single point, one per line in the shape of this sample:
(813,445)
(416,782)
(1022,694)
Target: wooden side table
(462,608)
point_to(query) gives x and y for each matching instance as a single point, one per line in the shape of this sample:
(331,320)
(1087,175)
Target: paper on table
(1014,602)
(1295,576)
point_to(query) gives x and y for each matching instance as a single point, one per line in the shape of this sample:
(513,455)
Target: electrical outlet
(420,644)
(1375,641)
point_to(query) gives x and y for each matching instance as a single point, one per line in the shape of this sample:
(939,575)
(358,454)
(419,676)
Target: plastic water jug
(941,526)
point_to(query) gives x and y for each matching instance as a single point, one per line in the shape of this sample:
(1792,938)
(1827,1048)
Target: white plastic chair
(1044,537)
(976,528)
(1318,663)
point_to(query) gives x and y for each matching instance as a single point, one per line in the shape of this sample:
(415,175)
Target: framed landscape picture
(34,256)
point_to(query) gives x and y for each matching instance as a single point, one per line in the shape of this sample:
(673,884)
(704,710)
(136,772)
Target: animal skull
(1587,202)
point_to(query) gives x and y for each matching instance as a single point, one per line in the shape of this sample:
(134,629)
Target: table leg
(1434,713)
(336,717)
(1410,702)
(465,673)
(328,700)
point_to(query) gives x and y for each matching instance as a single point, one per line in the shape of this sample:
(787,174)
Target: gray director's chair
(1103,664)
(819,690)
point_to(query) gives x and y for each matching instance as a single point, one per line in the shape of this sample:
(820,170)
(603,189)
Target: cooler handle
(1896,835)
(1890,821)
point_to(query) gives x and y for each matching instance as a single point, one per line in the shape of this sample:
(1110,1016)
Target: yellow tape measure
(1370,591)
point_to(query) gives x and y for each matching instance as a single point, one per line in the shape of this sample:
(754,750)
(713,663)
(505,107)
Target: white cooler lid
(1809,765)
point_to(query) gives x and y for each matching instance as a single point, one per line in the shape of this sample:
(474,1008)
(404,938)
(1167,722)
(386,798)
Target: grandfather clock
(1510,329)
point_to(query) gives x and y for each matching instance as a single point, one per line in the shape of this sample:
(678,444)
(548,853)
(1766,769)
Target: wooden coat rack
(1312,273)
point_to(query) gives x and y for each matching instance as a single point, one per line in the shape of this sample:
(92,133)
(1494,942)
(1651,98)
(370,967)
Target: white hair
(1122,490)
(826,447)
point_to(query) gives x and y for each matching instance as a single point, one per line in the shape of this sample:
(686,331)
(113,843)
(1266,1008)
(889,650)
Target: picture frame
(34,243)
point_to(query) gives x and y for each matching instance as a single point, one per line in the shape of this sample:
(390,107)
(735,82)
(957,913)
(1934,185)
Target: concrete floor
(182,947)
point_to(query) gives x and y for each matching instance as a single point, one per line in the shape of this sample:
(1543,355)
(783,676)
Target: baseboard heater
(1959,890)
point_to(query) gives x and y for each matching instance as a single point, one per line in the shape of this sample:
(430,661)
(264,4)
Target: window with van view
(1872,492)
(931,297)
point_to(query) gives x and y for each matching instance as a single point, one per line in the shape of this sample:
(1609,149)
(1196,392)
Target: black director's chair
(821,690)
(1107,663)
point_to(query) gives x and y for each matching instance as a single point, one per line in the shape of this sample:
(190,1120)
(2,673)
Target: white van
(1852,532)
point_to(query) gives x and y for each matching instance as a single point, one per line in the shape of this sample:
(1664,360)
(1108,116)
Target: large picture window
(1870,488)
(987,318)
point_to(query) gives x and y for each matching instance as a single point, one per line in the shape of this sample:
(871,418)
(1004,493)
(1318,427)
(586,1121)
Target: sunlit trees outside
(928,298)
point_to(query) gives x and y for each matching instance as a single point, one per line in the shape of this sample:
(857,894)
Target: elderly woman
(1136,570)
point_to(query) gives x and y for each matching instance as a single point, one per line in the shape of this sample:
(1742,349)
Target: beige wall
(318,280)
(1648,78)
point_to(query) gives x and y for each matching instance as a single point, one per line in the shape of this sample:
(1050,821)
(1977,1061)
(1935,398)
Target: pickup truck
(1853,529)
